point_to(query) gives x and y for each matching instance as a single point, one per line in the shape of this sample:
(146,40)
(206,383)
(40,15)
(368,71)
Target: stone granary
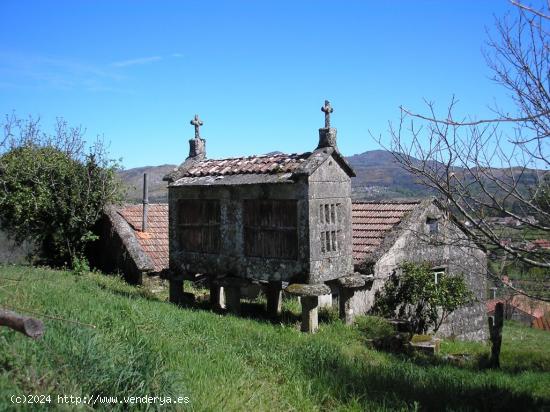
(274,218)
(389,233)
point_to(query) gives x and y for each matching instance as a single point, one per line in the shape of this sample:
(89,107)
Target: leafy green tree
(53,189)
(413,294)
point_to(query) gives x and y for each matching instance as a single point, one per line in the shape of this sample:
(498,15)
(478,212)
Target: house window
(329,228)
(198,225)
(432,225)
(270,228)
(438,272)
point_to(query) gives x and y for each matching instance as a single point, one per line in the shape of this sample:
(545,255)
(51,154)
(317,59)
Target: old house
(388,233)
(131,244)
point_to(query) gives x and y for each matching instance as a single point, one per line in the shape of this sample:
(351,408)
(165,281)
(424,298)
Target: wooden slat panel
(270,228)
(199,225)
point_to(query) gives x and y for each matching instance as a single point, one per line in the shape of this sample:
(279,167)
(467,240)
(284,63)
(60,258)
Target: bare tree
(498,166)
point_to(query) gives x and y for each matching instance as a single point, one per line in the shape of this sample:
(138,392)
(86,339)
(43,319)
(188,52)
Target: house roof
(373,221)
(541,243)
(491,304)
(154,242)
(534,308)
(541,323)
(270,168)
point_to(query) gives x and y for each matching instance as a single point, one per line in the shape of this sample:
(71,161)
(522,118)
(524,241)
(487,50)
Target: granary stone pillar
(309,298)
(274,294)
(217,295)
(232,287)
(347,285)
(176,289)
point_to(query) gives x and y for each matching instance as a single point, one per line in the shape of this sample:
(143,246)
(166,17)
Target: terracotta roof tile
(527,305)
(371,222)
(541,323)
(155,240)
(267,164)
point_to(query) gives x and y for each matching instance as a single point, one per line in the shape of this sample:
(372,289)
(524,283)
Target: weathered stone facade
(446,248)
(268,218)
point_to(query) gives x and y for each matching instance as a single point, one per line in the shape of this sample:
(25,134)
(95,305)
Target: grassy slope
(145,346)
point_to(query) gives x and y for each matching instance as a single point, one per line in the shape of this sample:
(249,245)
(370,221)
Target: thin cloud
(177,55)
(138,61)
(31,71)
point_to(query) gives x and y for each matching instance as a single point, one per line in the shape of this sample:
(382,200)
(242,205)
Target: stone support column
(310,314)
(176,289)
(233,299)
(217,298)
(232,287)
(274,294)
(309,298)
(347,285)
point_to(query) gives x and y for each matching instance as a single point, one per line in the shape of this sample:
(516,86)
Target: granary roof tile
(261,166)
(372,221)
(275,163)
(154,241)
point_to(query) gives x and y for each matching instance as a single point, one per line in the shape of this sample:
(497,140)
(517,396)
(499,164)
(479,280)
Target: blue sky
(257,72)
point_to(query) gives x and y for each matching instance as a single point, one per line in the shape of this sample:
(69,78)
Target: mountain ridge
(379,176)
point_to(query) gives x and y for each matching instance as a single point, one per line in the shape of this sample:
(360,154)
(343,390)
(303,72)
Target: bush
(413,295)
(52,190)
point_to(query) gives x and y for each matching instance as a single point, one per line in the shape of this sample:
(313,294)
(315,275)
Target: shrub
(53,190)
(413,295)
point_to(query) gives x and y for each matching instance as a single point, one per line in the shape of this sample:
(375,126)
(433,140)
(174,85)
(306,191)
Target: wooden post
(495,330)
(31,327)
(274,299)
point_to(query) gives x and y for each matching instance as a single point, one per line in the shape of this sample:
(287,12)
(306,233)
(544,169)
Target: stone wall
(412,242)
(330,185)
(231,259)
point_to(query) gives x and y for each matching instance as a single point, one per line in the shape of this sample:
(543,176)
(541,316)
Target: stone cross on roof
(197,123)
(327,109)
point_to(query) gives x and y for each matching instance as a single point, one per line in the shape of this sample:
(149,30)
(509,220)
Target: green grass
(141,345)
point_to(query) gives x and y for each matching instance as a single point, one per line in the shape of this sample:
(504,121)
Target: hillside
(112,340)
(379,176)
(133,182)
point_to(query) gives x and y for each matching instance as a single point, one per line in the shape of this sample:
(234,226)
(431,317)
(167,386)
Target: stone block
(300,289)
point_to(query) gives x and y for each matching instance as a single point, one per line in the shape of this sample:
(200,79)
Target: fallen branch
(31,327)
(88,325)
